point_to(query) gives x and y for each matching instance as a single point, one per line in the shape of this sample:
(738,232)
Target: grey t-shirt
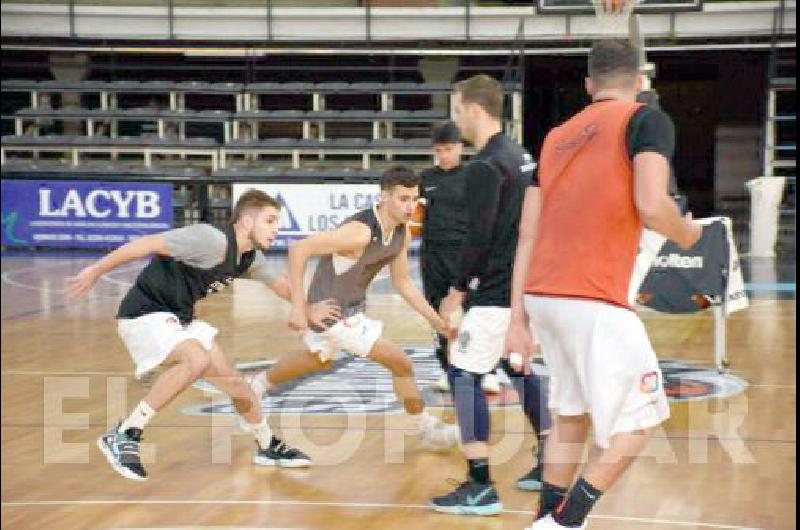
(204,246)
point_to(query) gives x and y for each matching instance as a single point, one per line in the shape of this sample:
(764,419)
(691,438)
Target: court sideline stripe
(16,504)
(711,437)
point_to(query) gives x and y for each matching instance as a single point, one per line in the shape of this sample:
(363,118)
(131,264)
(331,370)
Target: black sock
(550,498)
(579,503)
(540,450)
(479,470)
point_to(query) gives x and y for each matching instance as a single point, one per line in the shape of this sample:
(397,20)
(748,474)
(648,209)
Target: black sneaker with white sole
(469,498)
(532,480)
(122,452)
(280,455)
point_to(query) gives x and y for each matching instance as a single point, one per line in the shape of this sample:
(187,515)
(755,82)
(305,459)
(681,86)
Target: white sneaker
(547,523)
(440,435)
(442,384)
(491,383)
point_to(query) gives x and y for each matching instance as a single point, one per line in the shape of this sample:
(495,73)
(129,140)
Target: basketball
(417,218)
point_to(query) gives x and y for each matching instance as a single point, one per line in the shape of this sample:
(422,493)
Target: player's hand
(694,231)
(451,305)
(443,328)
(297,319)
(79,285)
(318,313)
(519,341)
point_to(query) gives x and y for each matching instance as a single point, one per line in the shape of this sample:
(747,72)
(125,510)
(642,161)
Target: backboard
(643,6)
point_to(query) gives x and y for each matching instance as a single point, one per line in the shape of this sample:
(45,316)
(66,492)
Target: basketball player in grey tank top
(345,279)
(350,257)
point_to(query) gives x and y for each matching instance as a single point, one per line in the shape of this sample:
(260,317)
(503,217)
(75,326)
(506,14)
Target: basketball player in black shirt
(496,180)
(156,321)
(444,230)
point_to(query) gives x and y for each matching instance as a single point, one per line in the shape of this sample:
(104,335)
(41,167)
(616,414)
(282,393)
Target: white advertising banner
(310,208)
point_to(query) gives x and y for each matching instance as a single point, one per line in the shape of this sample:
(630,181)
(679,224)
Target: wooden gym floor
(718,463)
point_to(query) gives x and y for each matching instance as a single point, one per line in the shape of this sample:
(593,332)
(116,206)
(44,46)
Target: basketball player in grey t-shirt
(156,321)
(350,257)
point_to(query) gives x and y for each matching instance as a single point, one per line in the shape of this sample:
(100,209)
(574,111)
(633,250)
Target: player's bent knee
(193,356)
(199,364)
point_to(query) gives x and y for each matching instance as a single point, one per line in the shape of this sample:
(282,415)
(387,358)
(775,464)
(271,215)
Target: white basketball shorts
(600,362)
(151,338)
(355,335)
(481,338)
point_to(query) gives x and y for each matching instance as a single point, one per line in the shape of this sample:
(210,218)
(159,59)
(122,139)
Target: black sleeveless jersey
(169,285)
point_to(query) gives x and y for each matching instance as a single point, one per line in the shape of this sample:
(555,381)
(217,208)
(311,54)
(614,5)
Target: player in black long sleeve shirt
(495,186)
(496,181)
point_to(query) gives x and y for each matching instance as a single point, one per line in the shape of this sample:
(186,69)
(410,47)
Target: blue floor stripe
(792,287)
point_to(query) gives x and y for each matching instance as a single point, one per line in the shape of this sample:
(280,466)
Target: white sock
(260,384)
(423,421)
(140,417)
(261,432)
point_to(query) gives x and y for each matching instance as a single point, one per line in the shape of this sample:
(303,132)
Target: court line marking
(109,278)
(708,437)
(768,286)
(294,502)
(130,374)
(7,278)
(34,312)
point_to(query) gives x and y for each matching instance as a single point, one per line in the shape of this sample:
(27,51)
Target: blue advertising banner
(82,214)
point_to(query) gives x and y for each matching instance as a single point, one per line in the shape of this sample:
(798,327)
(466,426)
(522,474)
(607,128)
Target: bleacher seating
(302,134)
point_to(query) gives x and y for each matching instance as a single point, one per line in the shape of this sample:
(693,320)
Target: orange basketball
(615,6)
(417,218)
(610,7)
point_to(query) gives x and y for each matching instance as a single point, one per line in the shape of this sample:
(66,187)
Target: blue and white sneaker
(122,452)
(469,498)
(532,480)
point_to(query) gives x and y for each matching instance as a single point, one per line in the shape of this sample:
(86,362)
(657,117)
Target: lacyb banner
(82,214)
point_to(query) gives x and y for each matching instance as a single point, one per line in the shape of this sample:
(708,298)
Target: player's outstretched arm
(316,313)
(79,285)
(403,284)
(518,337)
(348,238)
(656,208)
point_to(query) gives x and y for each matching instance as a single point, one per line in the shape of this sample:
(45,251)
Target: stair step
(783,83)
(783,147)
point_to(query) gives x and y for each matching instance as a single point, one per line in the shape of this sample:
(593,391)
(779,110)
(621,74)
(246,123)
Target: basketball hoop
(613,16)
